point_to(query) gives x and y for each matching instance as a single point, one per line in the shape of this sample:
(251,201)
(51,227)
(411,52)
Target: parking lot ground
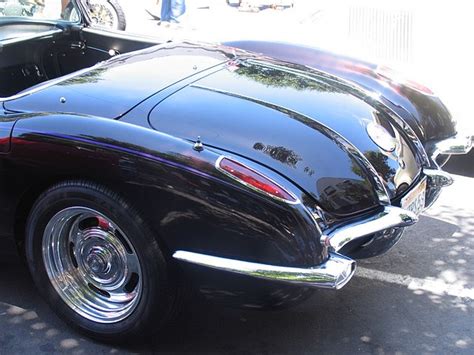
(418,298)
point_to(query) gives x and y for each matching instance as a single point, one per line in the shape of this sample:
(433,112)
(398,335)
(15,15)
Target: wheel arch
(31,195)
(23,209)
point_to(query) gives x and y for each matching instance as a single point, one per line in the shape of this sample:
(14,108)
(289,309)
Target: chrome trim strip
(334,273)
(453,146)
(390,217)
(438,178)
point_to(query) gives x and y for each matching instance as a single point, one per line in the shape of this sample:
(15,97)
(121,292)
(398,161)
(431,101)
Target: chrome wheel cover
(92,265)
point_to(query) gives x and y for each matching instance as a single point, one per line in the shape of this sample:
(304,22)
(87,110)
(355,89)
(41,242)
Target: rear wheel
(97,263)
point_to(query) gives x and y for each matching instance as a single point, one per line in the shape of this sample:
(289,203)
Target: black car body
(253,172)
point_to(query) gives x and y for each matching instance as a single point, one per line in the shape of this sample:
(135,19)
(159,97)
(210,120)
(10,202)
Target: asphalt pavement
(418,298)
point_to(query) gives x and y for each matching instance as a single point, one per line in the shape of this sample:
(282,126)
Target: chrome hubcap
(92,264)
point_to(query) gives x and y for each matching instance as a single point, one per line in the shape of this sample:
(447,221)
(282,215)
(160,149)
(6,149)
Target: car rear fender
(189,203)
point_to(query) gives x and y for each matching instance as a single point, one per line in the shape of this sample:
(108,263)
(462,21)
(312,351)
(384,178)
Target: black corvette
(252,171)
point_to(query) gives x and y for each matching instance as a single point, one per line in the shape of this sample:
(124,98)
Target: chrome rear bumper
(334,273)
(338,269)
(391,217)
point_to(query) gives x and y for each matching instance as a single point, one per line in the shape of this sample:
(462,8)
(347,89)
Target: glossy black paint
(130,123)
(5,132)
(296,123)
(426,114)
(307,113)
(189,203)
(178,191)
(303,127)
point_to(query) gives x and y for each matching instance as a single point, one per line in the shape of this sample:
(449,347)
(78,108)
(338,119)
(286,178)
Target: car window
(39,9)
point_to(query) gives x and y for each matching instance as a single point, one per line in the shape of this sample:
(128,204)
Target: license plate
(414,201)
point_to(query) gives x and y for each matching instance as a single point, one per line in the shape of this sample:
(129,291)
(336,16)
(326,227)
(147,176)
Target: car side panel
(189,204)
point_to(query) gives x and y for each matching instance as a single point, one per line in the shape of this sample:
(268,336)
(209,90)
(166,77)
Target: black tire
(158,292)
(121,24)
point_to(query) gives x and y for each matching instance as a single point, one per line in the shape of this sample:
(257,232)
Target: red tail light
(254,180)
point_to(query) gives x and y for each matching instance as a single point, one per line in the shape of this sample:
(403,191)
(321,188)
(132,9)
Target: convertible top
(113,87)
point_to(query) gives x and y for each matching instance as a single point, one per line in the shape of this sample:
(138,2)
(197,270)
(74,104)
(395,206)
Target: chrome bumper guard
(334,273)
(438,178)
(390,217)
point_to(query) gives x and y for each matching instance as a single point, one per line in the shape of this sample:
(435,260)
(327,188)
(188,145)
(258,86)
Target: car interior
(33,52)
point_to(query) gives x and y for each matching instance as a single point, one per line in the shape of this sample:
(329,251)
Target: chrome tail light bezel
(294,200)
